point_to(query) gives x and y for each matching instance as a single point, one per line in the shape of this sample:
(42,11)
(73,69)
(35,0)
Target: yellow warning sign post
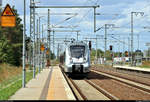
(8,18)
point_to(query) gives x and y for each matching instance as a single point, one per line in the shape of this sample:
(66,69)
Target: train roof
(78,43)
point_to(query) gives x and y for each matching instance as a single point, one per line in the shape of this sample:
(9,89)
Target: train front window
(77,51)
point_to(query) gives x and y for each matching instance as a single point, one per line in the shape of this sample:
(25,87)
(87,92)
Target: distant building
(146,53)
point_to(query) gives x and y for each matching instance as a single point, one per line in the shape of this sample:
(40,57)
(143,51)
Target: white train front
(77,58)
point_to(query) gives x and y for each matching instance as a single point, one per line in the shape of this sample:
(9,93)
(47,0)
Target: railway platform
(132,68)
(48,85)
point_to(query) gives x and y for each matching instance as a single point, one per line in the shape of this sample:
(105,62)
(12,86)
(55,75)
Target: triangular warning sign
(8,18)
(8,11)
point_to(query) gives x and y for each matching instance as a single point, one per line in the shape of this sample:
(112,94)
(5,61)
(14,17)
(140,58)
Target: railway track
(128,72)
(84,89)
(140,91)
(126,80)
(110,96)
(108,87)
(133,72)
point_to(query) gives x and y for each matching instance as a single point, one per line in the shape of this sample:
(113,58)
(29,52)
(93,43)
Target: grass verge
(5,93)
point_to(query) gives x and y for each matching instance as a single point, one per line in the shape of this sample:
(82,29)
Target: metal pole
(119,48)
(23,54)
(95,30)
(112,57)
(94,19)
(53,45)
(58,51)
(44,46)
(123,53)
(39,44)
(77,35)
(47,56)
(34,59)
(105,43)
(128,48)
(131,38)
(31,57)
(30,49)
(128,44)
(49,30)
(96,48)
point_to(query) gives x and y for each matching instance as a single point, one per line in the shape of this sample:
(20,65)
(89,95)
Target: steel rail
(130,84)
(79,95)
(110,96)
(128,78)
(76,91)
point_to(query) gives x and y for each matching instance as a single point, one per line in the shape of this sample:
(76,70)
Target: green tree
(6,52)
(100,53)
(14,36)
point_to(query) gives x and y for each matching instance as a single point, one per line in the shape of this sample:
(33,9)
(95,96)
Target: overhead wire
(83,17)
(129,22)
(137,18)
(79,10)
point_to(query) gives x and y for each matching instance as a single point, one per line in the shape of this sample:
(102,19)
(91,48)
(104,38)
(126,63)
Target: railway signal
(110,47)
(90,45)
(126,53)
(120,54)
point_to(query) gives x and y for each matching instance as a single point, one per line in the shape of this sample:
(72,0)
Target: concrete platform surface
(50,84)
(58,87)
(34,87)
(133,68)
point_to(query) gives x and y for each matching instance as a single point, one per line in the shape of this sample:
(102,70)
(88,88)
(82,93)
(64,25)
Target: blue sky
(116,12)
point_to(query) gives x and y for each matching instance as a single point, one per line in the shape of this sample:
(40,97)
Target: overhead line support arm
(64,6)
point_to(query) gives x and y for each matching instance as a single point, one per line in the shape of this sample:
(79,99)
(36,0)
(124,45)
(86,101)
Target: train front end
(77,58)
